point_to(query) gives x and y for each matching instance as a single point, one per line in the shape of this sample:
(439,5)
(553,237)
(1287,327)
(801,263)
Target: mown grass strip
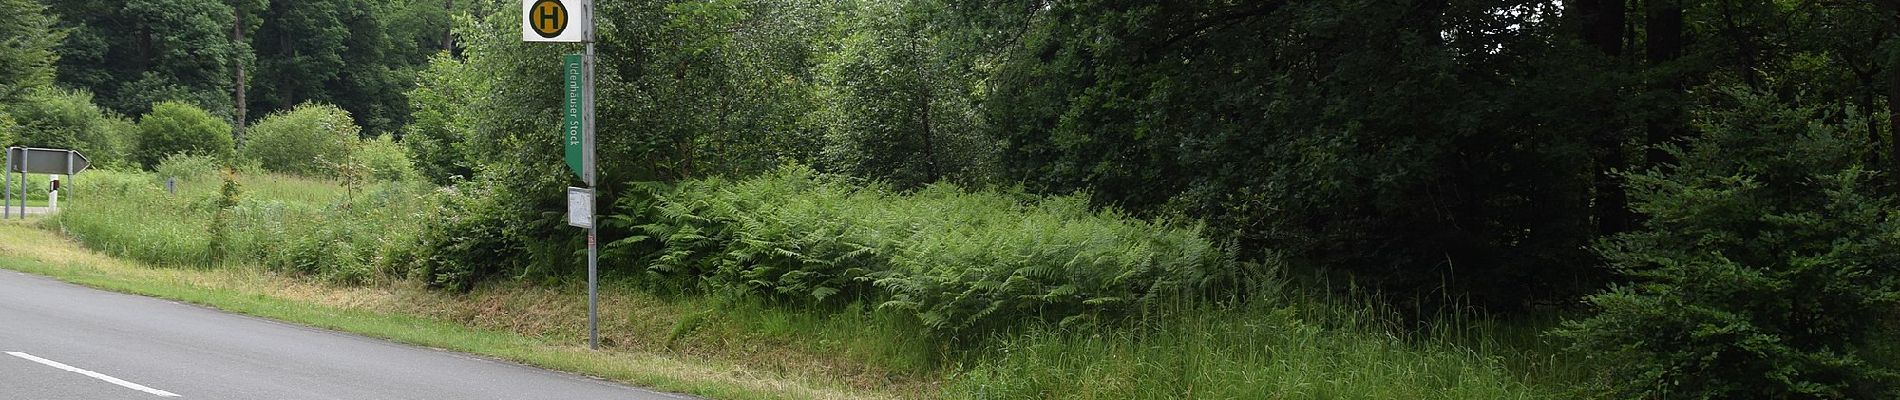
(35,251)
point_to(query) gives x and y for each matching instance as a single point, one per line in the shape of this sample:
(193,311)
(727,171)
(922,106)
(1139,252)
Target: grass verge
(365,311)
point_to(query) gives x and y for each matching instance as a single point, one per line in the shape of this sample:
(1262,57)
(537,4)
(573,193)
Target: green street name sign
(571,116)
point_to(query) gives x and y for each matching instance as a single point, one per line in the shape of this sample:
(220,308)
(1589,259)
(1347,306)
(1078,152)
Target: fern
(961,262)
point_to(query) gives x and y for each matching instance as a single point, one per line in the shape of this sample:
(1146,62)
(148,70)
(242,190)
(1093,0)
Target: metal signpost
(572,21)
(29,160)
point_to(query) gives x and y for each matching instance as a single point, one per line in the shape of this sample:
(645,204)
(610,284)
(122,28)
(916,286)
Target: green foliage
(1254,352)
(284,223)
(26,48)
(353,242)
(7,126)
(1765,268)
(898,102)
(655,114)
(187,167)
(299,141)
(55,118)
(67,119)
(475,240)
(221,216)
(136,53)
(338,52)
(959,262)
(129,215)
(175,127)
(1405,144)
(385,159)
(114,142)
(440,135)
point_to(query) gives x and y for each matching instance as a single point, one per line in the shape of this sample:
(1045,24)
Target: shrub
(299,141)
(441,103)
(67,119)
(186,167)
(55,118)
(115,143)
(385,159)
(470,241)
(175,127)
(1766,265)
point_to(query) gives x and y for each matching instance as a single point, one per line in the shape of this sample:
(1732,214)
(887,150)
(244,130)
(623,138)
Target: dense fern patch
(959,261)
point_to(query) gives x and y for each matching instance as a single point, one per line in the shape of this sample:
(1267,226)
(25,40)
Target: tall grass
(129,215)
(1298,346)
(307,226)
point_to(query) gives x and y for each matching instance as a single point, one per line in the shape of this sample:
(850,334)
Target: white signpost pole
(52,194)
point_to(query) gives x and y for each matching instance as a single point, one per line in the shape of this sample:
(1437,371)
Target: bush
(960,262)
(115,144)
(55,118)
(471,239)
(300,141)
(65,119)
(175,127)
(386,160)
(1765,267)
(441,103)
(186,167)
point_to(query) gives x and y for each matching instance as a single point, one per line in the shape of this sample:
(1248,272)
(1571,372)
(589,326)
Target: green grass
(249,291)
(1300,347)
(1296,346)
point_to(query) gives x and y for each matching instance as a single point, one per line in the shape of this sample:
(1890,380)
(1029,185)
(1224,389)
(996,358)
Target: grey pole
(26,156)
(587,143)
(8,171)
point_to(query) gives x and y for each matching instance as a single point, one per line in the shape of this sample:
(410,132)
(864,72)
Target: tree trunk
(1893,109)
(448,34)
(925,91)
(1746,47)
(1869,104)
(1601,24)
(1663,22)
(237,78)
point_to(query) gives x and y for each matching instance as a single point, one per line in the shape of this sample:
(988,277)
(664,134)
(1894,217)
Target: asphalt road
(15,211)
(61,341)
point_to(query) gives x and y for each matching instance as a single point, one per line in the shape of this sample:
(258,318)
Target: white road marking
(95,375)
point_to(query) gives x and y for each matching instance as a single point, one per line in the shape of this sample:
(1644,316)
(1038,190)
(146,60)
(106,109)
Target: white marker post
(52,192)
(572,21)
